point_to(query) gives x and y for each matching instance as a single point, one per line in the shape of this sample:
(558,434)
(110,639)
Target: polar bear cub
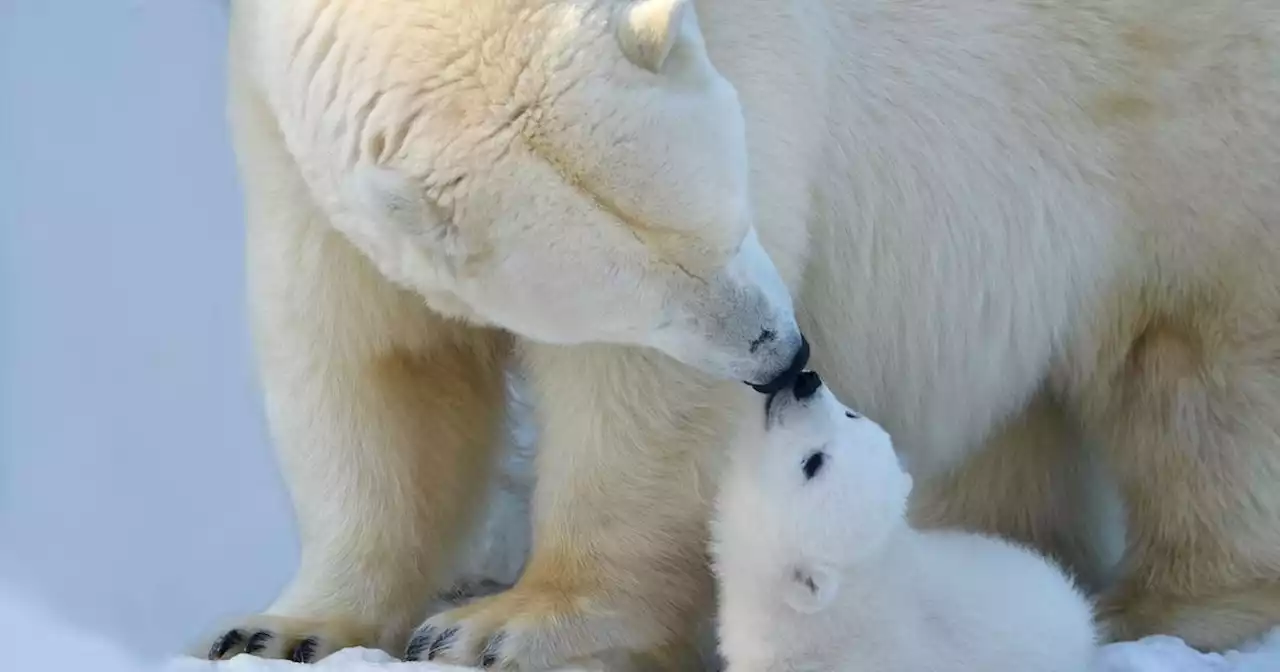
(818,568)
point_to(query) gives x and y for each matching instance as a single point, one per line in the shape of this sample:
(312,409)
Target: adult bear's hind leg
(1191,427)
(1032,482)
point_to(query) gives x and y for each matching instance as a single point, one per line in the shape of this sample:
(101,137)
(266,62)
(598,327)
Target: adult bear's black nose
(807,383)
(787,378)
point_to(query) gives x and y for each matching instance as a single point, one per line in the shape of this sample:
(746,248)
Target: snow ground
(1154,654)
(36,640)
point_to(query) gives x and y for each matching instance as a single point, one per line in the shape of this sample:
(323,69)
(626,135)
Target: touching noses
(790,375)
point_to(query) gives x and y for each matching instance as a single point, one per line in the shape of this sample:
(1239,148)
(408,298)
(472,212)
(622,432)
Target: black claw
(257,642)
(489,656)
(442,642)
(419,644)
(224,643)
(304,651)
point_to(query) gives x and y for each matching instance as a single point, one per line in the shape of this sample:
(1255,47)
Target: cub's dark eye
(851,415)
(813,464)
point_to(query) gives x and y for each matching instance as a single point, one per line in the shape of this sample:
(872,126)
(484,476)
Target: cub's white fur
(1035,239)
(820,570)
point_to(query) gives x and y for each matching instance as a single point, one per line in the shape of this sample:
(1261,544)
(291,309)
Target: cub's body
(819,569)
(927,601)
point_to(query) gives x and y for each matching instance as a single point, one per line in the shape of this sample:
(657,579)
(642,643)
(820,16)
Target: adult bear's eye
(851,415)
(813,464)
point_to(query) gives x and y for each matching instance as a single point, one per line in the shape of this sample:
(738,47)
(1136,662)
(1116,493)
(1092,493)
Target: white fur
(825,573)
(466,203)
(1036,239)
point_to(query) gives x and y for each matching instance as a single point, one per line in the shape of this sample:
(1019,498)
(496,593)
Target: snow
(1161,653)
(34,640)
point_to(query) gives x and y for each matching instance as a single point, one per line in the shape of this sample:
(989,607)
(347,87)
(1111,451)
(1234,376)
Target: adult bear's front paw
(299,640)
(539,627)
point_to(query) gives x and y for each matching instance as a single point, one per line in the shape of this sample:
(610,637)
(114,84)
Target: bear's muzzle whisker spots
(766,336)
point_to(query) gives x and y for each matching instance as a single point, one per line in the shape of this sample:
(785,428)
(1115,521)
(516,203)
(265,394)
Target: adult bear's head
(573,171)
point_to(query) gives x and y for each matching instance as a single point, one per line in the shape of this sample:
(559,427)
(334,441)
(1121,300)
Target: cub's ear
(390,197)
(648,29)
(809,588)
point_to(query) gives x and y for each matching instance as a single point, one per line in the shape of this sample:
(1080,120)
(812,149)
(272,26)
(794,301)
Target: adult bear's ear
(648,29)
(809,588)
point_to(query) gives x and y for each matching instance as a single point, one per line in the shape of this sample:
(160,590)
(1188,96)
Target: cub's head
(569,170)
(814,488)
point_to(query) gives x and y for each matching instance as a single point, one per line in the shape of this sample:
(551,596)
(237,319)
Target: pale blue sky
(138,495)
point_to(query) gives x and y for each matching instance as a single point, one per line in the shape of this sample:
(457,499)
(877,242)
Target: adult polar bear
(1029,225)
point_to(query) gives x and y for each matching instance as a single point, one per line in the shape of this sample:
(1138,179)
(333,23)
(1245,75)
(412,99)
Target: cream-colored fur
(1048,227)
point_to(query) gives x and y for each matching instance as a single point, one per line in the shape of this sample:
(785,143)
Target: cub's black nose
(807,383)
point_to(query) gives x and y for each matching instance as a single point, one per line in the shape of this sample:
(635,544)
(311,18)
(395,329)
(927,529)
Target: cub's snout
(797,395)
